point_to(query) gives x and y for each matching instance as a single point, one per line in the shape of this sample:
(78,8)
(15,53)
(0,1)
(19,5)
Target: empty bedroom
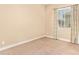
(39,29)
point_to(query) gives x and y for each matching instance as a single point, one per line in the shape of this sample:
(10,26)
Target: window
(64,16)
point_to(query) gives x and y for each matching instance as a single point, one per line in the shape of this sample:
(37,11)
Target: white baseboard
(64,39)
(58,38)
(49,36)
(19,43)
(29,40)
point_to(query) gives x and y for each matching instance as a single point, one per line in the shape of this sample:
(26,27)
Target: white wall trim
(29,40)
(49,36)
(19,43)
(64,39)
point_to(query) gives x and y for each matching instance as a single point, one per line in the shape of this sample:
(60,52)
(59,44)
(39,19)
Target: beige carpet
(44,46)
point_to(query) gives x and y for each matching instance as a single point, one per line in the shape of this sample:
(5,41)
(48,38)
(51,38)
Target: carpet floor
(43,46)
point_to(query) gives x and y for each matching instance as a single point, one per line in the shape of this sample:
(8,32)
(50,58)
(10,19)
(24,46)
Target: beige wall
(21,22)
(62,33)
